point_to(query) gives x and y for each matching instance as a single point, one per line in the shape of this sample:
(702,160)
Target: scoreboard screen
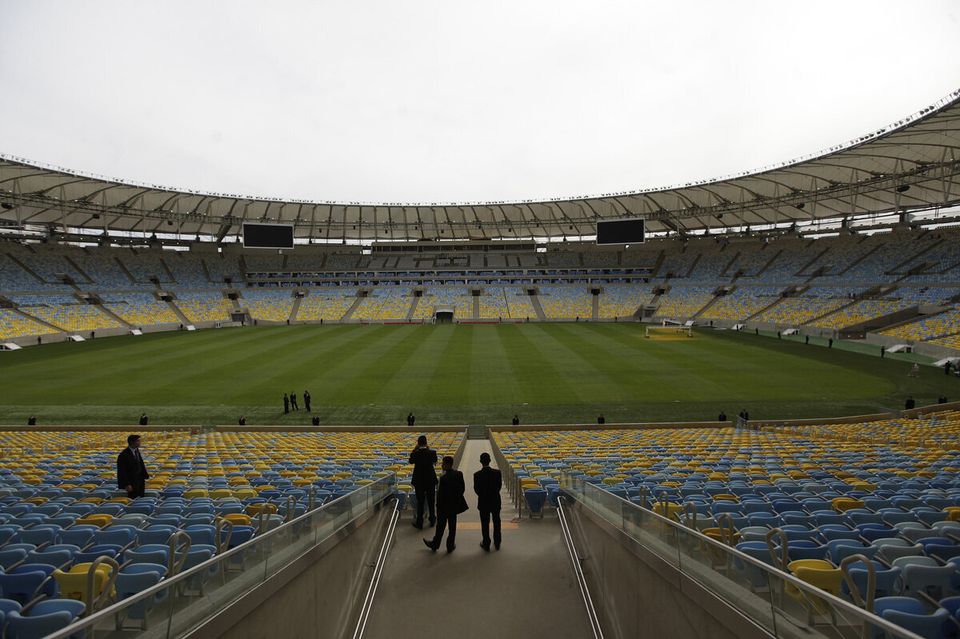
(268,236)
(620,231)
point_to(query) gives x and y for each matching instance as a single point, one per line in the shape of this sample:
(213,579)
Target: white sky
(444,100)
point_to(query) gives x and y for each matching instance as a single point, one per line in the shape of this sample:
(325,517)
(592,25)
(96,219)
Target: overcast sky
(443,100)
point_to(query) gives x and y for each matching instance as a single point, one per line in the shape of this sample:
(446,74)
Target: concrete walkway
(527,589)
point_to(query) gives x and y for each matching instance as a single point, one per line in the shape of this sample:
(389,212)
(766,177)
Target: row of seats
(566,302)
(813,496)
(60,511)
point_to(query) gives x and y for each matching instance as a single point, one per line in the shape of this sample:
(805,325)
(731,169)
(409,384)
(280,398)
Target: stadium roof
(912,164)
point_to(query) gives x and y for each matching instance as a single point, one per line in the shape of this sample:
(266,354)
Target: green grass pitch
(448,374)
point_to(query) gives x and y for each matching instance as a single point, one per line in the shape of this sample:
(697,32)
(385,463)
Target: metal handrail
(367,605)
(891,628)
(198,569)
(578,572)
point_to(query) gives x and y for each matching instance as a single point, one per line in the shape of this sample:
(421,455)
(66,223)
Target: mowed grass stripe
(538,376)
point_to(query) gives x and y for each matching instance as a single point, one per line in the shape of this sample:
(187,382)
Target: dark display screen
(620,232)
(275,236)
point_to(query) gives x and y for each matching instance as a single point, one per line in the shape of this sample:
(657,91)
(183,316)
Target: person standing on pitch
(286,404)
(424,480)
(306,400)
(132,473)
(293,401)
(487,483)
(450,503)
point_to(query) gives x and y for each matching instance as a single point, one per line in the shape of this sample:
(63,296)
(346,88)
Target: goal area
(667,332)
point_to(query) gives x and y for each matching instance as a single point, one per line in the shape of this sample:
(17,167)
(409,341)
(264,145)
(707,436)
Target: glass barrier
(780,603)
(178,604)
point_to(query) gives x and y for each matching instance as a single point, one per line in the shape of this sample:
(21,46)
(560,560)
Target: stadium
(724,408)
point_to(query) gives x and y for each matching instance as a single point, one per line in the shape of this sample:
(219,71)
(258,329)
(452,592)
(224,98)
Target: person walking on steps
(450,503)
(424,480)
(487,483)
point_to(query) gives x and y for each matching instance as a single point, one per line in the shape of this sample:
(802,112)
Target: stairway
(176,309)
(26,268)
(535,303)
(595,313)
(356,303)
(126,271)
(476,307)
(106,311)
(294,309)
(414,303)
(77,268)
(56,329)
(710,303)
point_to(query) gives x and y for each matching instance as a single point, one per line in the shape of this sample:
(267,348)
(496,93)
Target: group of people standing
(443,497)
(290,402)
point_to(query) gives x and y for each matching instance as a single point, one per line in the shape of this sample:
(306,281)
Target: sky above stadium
(447,101)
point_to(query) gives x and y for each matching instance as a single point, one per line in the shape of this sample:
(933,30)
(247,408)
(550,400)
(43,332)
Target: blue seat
(44,618)
(23,586)
(134,579)
(80,536)
(934,581)
(59,558)
(156,534)
(887,579)
(11,557)
(7,606)
(535,499)
(912,615)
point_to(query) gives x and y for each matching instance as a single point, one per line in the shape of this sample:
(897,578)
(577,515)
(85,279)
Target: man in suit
(306,400)
(286,404)
(132,473)
(487,483)
(293,401)
(450,503)
(424,480)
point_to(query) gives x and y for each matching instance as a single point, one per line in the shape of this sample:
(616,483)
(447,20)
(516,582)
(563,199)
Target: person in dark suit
(306,400)
(487,483)
(286,404)
(411,420)
(516,420)
(424,480)
(293,401)
(722,417)
(601,419)
(450,503)
(132,473)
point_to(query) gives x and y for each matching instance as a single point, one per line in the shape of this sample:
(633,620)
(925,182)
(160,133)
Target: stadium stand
(13,325)
(682,302)
(274,305)
(741,303)
(204,306)
(812,303)
(623,300)
(144,265)
(329,304)
(384,304)
(436,298)
(518,303)
(566,302)
(140,309)
(187,269)
(65,312)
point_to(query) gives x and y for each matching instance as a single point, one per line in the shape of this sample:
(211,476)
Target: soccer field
(447,374)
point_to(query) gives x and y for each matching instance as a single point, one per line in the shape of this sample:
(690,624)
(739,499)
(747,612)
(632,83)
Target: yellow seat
(221,493)
(73,583)
(238,519)
(843,504)
(195,492)
(255,509)
(99,520)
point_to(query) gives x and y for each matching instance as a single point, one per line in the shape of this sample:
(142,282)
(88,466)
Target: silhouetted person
(830,343)
(32,420)
(515,421)
(132,473)
(883,352)
(293,401)
(601,419)
(315,421)
(722,417)
(411,420)
(143,419)
(942,399)
(806,339)
(306,400)
(910,403)
(450,503)
(487,483)
(242,421)
(424,480)
(286,404)
(947,367)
